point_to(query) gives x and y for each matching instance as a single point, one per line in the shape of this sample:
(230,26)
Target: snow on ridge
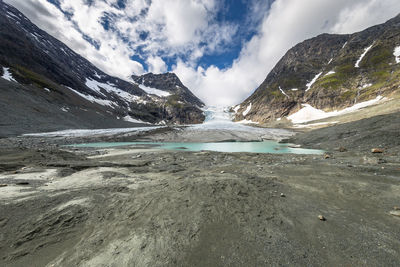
(309,113)
(247,110)
(154,91)
(396,53)
(313,81)
(110,88)
(283,92)
(236,108)
(94,99)
(7,75)
(330,73)
(357,65)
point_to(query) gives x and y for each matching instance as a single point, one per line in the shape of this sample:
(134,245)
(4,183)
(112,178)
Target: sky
(222,50)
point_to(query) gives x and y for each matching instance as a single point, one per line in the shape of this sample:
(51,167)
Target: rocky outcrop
(329,72)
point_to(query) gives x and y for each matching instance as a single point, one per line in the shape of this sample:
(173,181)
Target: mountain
(47,86)
(329,72)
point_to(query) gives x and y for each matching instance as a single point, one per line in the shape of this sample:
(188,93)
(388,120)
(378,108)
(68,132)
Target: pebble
(283,195)
(222,171)
(395,213)
(377,150)
(327,156)
(321,218)
(3,185)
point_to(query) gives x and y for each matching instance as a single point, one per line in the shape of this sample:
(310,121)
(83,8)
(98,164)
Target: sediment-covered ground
(139,206)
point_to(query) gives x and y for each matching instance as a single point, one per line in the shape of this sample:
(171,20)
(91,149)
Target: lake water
(252,147)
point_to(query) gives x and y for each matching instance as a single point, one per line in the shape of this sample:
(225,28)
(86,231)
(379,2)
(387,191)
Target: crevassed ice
(357,65)
(313,81)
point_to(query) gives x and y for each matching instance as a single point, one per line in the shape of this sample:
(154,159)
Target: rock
(395,213)
(283,195)
(222,172)
(321,218)
(396,208)
(342,149)
(22,183)
(3,185)
(377,150)
(327,156)
(368,160)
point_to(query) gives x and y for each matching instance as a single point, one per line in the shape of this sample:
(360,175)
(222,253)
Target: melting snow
(7,75)
(283,92)
(313,81)
(94,99)
(236,108)
(248,122)
(396,53)
(130,119)
(308,113)
(154,91)
(330,73)
(247,110)
(357,65)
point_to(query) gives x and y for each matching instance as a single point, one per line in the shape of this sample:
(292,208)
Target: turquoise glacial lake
(230,147)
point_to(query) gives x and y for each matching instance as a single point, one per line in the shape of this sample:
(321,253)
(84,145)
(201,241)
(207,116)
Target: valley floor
(143,207)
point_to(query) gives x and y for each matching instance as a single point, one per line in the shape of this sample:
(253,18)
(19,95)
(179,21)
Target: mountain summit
(47,86)
(329,72)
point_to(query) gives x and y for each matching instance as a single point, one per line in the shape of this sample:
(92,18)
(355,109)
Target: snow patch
(154,91)
(294,89)
(283,92)
(357,65)
(396,53)
(7,75)
(330,73)
(329,62)
(309,113)
(65,109)
(344,45)
(94,99)
(315,124)
(47,89)
(236,108)
(247,110)
(366,85)
(130,119)
(313,81)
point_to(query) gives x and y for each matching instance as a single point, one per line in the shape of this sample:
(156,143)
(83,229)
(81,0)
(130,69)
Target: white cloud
(180,28)
(287,23)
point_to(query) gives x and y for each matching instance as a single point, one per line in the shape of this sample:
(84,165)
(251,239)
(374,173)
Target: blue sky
(221,49)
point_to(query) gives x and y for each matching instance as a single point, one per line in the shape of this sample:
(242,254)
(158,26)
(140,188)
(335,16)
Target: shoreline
(122,206)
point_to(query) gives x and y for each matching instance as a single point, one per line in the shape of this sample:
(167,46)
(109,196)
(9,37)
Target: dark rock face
(329,60)
(41,63)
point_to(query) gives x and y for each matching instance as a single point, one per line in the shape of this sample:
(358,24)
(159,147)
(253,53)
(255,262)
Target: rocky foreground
(144,207)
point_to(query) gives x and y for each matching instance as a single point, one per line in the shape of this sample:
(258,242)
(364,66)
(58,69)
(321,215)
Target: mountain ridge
(37,61)
(323,72)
